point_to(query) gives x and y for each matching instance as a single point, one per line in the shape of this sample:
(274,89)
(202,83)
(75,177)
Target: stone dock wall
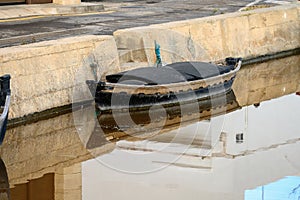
(45,74)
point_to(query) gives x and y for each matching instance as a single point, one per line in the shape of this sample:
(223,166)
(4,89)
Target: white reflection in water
(273,122)
(268,152)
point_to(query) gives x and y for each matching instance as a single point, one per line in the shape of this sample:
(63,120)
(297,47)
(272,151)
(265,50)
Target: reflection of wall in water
(272,124)
(64,184)
(43,147)
(37,189)
(265,81)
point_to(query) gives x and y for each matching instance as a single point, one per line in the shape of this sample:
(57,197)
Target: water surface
(219,154)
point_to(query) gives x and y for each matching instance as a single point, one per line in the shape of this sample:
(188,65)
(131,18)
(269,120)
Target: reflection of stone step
(175,154)
(188,162)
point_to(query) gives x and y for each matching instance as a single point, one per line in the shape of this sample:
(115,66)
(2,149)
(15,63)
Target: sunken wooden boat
(4,104)
(168,85)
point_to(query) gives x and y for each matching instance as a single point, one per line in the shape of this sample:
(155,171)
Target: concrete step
(21,11)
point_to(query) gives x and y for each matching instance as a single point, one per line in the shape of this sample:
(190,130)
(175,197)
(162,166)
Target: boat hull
(107,101)
(118,95)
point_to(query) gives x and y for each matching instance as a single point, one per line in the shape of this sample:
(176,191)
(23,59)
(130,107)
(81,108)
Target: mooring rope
(158,62)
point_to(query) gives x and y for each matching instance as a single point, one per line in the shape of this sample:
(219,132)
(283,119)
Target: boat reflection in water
(4,185)
(139,125)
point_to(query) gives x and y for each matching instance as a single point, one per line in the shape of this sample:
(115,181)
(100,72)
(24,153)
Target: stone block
(256,21)
(281,16)
(236,36)
(67,2)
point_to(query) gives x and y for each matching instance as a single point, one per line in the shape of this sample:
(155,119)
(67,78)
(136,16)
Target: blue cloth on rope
(157,53)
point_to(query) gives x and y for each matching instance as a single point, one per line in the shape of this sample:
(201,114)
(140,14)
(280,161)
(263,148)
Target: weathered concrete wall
(44,74)
(245,34)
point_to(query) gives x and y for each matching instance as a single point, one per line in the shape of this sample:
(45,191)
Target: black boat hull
(107,101)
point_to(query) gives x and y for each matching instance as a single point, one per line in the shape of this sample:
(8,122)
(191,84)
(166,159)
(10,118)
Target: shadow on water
(51,148)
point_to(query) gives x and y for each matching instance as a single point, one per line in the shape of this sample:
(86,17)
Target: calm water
(232,151)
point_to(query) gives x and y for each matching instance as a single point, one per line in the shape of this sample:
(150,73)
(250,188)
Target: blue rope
(157,53)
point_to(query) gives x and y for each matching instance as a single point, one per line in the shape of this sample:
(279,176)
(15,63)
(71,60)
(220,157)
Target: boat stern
(95,86)
(4,103)
(233,61)
(5,88)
